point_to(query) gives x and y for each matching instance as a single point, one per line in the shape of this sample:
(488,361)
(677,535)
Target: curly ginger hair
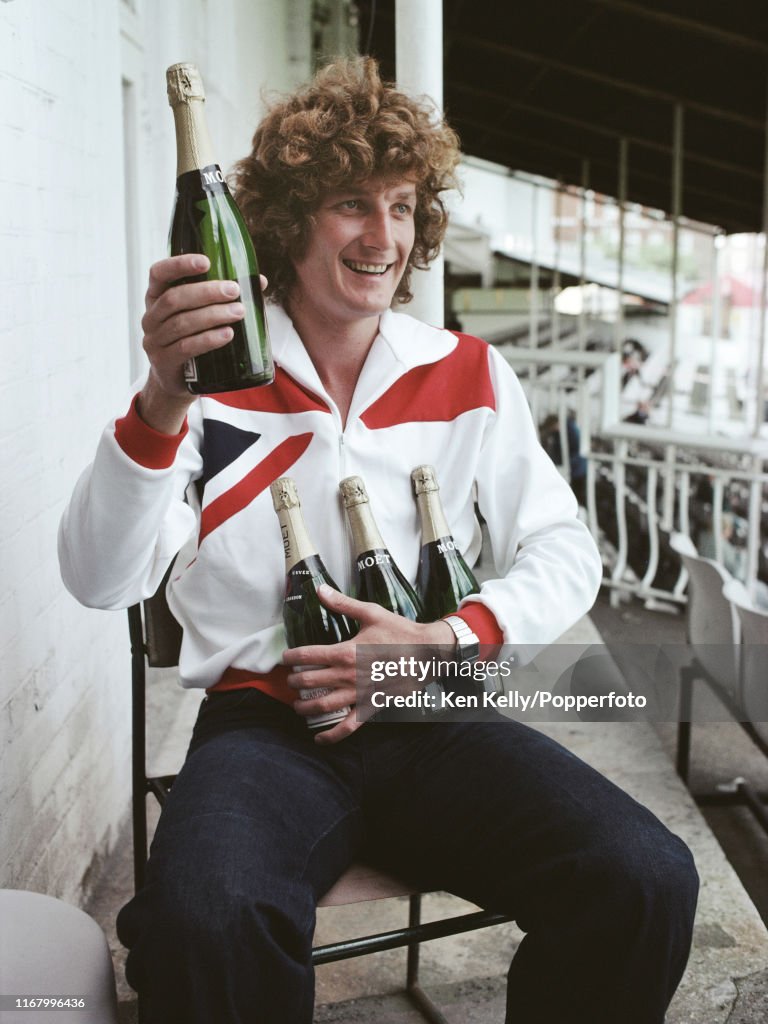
(345,127)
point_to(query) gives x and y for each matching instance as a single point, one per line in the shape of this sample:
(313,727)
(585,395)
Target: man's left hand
(333,666)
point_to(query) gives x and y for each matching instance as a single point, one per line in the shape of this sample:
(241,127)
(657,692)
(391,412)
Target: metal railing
(643,483)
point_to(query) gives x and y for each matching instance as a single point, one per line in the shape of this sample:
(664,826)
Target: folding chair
(155,643)
(753,683)
(713,632)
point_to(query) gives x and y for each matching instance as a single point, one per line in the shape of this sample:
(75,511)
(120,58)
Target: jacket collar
(401,344)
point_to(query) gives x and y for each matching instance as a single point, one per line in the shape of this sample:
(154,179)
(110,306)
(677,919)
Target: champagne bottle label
(370,558)
(212,179)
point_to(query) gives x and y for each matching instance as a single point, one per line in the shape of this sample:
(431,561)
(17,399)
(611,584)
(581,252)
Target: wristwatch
(467,642)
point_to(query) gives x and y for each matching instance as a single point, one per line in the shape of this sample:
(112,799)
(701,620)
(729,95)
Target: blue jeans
(261,822)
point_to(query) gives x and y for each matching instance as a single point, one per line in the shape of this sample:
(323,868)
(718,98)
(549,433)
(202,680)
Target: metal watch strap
(467,642)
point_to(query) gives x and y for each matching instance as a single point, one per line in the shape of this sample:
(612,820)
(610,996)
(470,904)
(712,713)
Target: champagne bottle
(444,578)
(206,219)
(378,577)
(306,620)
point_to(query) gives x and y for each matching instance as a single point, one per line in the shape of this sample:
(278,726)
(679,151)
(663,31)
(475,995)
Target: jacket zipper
(346,581)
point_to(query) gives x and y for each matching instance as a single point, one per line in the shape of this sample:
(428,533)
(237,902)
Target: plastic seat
(155,643)
(712,634)
(753,663)
(735,673)
(711,623)
(50,948)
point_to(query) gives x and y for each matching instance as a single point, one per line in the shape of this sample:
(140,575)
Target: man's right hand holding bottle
(181,321)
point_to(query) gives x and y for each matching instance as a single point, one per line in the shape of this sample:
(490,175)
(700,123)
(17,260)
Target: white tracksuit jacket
(424,396)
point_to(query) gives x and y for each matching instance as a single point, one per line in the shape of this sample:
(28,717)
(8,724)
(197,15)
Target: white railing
(711,489)
(643,482)
(556,380)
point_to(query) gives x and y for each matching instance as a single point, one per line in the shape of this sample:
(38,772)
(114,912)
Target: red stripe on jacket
(437,392)
(284,395)
(276,464)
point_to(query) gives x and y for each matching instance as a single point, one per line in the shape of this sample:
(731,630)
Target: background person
(577,463)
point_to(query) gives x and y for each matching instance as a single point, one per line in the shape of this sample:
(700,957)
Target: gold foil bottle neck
(184,84)
(297,544)
(434,525)
(284,493)
(365,533)
(424,479)
(187,99)
(353,491)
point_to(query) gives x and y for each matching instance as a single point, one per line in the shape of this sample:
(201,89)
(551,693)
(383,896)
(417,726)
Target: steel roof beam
(688,25)
(648,92)
(611,133)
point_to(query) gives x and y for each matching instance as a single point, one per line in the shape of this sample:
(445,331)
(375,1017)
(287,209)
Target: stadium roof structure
(548,86)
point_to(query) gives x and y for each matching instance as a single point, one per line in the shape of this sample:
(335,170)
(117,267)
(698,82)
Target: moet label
(374,558)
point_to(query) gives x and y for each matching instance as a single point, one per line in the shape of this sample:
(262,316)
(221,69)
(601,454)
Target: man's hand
(180,322)
(333,665)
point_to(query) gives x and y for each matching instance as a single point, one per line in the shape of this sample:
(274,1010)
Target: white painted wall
(74,254)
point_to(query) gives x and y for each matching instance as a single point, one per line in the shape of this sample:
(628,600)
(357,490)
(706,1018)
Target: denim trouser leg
(261,822)
(255,830)
(500,814)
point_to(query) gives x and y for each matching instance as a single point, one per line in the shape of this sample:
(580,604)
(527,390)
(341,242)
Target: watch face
(468,648)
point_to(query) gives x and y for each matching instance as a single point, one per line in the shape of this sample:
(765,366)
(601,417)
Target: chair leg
(415,992)
(683,760)
(414,920)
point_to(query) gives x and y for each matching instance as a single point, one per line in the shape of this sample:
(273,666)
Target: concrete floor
(721,751)
(727,977)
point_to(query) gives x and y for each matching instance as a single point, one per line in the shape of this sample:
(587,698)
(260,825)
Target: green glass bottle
(378,578)
(306,620)
(444,579)
(207,220)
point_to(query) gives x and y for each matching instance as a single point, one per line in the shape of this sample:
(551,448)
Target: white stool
(49,948)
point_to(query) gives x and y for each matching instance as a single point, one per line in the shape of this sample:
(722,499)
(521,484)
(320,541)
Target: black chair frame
(155,641)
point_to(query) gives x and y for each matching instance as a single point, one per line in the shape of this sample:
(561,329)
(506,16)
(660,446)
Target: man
(342,194)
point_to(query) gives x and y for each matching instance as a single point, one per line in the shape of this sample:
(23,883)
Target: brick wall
(73,263)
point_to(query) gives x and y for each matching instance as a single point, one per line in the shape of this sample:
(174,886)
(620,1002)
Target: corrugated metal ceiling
(546,86)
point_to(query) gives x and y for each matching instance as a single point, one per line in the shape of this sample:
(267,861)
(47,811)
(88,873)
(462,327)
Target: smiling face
(359,242)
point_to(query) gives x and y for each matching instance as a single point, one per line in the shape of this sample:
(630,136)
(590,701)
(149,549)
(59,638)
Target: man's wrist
(150,448)
(440,634)
(161,411)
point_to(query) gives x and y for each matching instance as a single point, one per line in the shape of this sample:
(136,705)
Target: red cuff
(144,444)
(482,622)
